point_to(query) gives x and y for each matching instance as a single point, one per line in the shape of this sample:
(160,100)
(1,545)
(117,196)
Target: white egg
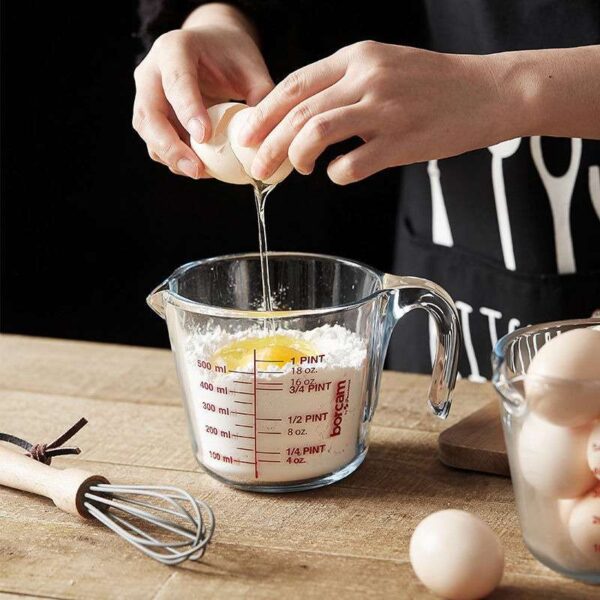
(216,154)
(563,379)
(553,459)
(246,155)
(565,507)
(222,156)
(456,555)
(593,450)
(584,526)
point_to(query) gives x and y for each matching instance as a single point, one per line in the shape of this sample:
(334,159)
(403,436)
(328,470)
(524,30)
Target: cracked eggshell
(559,383)
(216,154)
(246,155)
(553,459)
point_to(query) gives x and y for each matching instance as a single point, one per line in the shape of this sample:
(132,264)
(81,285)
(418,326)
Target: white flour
(270,422)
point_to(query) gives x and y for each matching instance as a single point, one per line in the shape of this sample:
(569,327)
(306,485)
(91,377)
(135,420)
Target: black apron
(511,232)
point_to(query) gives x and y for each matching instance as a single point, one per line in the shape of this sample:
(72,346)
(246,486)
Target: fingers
(256,81)
(321,131)
(153,126)
(364,161)
(179,75)
(274,150)
(295,88)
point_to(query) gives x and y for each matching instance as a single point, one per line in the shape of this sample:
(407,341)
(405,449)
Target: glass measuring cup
(557,526)
(282,401)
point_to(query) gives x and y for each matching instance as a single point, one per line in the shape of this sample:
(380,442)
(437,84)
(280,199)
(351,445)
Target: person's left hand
(407,105)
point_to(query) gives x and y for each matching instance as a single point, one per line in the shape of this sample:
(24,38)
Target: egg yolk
(278,350)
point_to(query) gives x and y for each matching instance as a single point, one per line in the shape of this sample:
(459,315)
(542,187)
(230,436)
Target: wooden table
(349,540)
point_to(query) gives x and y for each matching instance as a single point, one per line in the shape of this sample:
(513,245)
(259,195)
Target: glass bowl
(556,490)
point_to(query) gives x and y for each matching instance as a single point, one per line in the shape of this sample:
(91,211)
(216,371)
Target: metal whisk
(165,523)
(187,530)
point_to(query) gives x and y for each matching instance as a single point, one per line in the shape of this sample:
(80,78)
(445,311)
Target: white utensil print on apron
(560,193)
(499,153)
(594,185)
(440,232)
(440,226)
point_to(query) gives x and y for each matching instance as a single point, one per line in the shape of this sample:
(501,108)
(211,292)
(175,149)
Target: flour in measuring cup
(276,405)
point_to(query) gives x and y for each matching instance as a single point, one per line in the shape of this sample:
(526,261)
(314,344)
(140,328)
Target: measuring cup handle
(408,293)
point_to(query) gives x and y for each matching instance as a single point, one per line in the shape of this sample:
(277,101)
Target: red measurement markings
(265,452)
(240,425)
(237,412)
(269,432)
(255,434)
(247,449)
(265,419)
(246,462)
(238,392)
(246,437)
(241,372)
(270,361)
(241,402)
(271,461)
(242,382)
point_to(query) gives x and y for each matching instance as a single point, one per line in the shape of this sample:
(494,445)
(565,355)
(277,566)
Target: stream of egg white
(261,192)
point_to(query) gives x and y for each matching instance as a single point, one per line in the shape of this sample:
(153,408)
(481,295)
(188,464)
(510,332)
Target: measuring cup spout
(407,293)
(156,298)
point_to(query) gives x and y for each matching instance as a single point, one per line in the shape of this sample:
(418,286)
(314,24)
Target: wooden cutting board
(476,443)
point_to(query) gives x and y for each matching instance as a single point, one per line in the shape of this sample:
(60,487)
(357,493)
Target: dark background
(90,224)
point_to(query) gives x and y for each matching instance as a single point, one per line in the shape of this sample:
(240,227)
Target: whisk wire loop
(142,514)
(102,500)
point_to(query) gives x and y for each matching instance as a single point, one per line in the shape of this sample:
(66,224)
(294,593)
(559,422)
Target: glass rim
(499,356)
(550,381)
(192,306)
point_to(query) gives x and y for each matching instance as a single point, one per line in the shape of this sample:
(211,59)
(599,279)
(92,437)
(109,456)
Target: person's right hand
(185,72)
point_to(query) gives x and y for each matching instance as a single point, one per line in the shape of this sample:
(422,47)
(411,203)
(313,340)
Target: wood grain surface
(476,442)
(349,540)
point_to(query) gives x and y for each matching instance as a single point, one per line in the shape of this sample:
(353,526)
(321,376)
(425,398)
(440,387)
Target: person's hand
(187,71)
(407,105)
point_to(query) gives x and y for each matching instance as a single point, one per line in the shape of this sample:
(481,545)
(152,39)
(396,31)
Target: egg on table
(553,459)
(562,379)
(456,555)
(224,158)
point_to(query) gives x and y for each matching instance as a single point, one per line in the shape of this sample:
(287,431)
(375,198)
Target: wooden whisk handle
(66,488)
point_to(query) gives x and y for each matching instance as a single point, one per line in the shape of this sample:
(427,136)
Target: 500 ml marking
(206,364)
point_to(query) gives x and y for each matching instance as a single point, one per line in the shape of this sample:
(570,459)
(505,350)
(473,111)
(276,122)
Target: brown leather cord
(45,452)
